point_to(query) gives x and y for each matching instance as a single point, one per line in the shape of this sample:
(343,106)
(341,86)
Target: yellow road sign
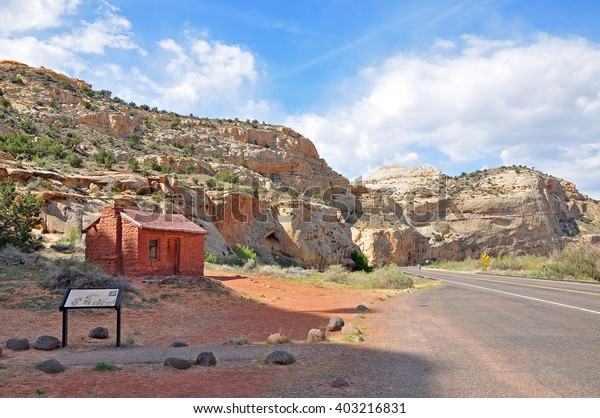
(485,256)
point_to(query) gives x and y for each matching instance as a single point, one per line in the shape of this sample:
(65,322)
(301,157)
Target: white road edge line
(522,296)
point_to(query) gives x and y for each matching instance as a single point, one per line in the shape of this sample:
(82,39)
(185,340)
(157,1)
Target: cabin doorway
(173,256)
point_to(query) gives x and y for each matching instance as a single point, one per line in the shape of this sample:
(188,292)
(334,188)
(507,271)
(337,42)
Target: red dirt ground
(256,308)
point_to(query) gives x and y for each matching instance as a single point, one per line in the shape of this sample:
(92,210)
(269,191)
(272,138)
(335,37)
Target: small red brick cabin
(135,244)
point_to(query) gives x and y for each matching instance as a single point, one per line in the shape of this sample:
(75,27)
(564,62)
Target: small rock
(18,344)
(362,308)
(179,343)
(99,332)
(2,367)
(46,342)
(278,338)
(51,366)
(206,359)
(351,329)
(315,335)
(335,324)
(178,363)
(339,382)
(0,352)
(282,358)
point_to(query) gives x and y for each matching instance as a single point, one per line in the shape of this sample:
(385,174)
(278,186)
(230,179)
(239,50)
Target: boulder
(99,332)
(278,338)
(206,359)
(280,357)
(362,308)
(18,344)
(350,329)
(179,343)
(2,367)
(51,366)
(46,342)
(178,363)
(335,324)
(315,335)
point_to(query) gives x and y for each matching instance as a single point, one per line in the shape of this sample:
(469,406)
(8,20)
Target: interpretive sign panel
(90,299)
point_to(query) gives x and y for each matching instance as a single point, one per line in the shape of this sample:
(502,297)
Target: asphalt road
(494,336)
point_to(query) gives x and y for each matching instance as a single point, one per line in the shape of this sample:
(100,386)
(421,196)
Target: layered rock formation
(411,214)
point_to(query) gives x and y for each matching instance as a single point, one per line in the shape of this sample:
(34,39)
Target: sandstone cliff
(408,215)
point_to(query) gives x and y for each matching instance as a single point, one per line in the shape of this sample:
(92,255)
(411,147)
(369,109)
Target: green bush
(210,257)
(211,184)
(74,160)
(18,214)
(361,262)
(244,253)
(105,158)
(22,146)
(15,79)
(227,176)
(133,164)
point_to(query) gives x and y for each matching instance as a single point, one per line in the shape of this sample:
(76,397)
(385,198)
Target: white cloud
(19,15)
(109,31)
(485,99)
(63,51)
(201,75)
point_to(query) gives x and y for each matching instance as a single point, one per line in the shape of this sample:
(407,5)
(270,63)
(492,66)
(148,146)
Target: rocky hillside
(410,214)
(246,182)
(262,185)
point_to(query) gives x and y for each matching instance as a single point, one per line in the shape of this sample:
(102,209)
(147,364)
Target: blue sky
(460,85)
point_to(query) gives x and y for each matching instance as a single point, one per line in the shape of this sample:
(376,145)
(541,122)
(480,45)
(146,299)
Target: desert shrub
(227,176)
(74,160)
(9,254)
(210,257)
(18,214)
(74,273)
(509,262)
(335,273)
(15,79)
(105,158)
(244,253)
(211,184)
(578,262)
(22,146)
(361,262)
(387,277)
(293,193)
(133,164)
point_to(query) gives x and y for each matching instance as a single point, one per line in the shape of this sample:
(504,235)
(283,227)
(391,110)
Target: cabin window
(153,249)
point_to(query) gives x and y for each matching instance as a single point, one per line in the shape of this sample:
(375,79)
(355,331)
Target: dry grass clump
(386,277)
(78,274)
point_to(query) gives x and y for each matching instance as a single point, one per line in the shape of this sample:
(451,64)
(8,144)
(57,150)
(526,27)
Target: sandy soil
(252,308)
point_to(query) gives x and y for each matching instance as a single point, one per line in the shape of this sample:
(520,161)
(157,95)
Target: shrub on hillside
(18,214)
